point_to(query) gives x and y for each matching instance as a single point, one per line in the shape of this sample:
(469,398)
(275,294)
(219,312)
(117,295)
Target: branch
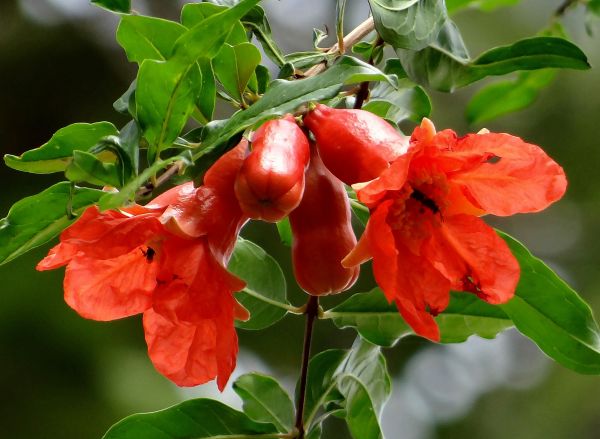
(357,34)
(560,11)
(164,177)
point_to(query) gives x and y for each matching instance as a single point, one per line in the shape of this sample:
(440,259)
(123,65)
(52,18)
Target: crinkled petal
(58,256)
(489,265)
(111,288)
(183,352)
(391,179)
(518,177)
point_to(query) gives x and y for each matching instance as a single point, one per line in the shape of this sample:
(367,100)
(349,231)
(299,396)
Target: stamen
(424,200)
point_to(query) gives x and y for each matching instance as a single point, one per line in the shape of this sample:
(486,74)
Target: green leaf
(129,140)
(148,37)
(286,96)
(263,77)
(284,229)
(302,60)
(379,322)
(408,24)
(505,97)
(485,5)
(340,9)
(122,6)
(265,292)
(86,167)
(35,220)
(165,98)
(265,401)
(256,21)
(205,39)
(112,200)
(235,65)
(445,64)
(126,102)
(193,13)
(193,419)
(208,91)
(56,154)
(549,312)
(353,384)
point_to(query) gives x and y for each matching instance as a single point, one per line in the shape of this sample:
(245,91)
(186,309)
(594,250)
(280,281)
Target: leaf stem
(312,311)
(171,170)
(289,308)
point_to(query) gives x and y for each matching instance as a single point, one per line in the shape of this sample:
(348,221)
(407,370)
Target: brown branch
(312,311)
(164,177)
(560,11)
(357,34)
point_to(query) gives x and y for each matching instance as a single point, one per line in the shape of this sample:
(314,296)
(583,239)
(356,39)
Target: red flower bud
(271,182)
(323,233)
(355,145)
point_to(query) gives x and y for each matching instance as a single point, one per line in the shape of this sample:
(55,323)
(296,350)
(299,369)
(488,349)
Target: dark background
(65,377)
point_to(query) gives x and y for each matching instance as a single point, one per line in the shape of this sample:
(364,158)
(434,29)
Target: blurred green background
(65,377)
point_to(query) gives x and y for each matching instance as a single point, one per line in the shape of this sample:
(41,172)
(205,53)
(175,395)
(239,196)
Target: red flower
(165,260)
(424,234)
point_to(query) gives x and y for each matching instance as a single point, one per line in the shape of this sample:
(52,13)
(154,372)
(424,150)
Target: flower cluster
(426,196)
(168,259)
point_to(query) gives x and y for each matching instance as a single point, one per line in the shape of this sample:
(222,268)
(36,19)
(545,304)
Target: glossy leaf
(353,384)
(86,167)
(501,98)
(302,60)
(126,102)
(286,96)
(265,293)
(445,64)
(549,312)
(35,220)
(205,39)
(193,14)
(165,97)
(408,24)
(56,154)
(485,5)
(379,322)
(234,67)
(208,91)
(265,401)
(122,6)
(129,140)
(148,37)
(114,200)
(193,419)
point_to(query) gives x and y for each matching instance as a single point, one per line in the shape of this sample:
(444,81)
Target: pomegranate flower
(165,260)
(425,235)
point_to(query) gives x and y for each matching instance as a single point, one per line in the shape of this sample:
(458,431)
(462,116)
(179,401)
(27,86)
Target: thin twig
(357,34)
(560,11)
(312,311)
(164,177)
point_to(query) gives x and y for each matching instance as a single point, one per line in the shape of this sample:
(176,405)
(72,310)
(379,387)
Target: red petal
(518,177)
(487,259)
(409,280)
(184,353)
(112,288)
(393,178)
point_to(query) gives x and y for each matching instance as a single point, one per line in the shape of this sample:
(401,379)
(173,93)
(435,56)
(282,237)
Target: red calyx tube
(322,233)
(271,181)
(355,145)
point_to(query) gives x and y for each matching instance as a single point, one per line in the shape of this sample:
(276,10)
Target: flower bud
(271,181)
(322,233)
(355,145)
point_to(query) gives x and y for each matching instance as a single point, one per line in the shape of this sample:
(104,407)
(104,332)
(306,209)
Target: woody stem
(312,311)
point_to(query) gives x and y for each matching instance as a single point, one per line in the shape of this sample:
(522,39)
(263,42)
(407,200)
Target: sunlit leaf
(552,314)
(234,67)
(86,167)
(485,5)
(56,154)
(148,37)
(265,293)
(265,400)
(35,220)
